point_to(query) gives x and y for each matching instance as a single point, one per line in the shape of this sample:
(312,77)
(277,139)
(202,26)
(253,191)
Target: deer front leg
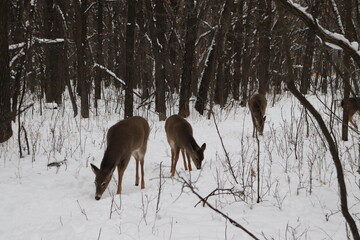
(183,155)
(189,161)
(121,171)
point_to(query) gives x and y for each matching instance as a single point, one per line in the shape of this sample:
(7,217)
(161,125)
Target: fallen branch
(233,222)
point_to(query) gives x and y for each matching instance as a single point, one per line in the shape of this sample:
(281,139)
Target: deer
(179,135)
(124,139)
(257,106)
(353,106)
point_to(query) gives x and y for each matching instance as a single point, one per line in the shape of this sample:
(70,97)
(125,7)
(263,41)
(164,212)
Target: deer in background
(257,105)
(353,107)
(179,135)
(124,139)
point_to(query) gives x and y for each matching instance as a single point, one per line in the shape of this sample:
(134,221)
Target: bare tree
(281,6)
(5,109)
(130,42)
(188,59)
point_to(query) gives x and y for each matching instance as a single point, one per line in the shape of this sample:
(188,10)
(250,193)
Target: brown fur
(257,106)
(353,107)
(179,134)
(124,139)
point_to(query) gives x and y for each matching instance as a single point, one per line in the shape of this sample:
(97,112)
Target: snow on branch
(352,48)
(111,73)
(36,40)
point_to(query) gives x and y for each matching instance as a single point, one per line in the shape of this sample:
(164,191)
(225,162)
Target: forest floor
(298,182)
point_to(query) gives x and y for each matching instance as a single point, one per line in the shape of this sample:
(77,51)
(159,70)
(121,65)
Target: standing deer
(125,138)
(257,105)
(179,135)
(353,107)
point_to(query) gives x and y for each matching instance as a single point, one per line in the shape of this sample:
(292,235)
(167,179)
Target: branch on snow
(205,202)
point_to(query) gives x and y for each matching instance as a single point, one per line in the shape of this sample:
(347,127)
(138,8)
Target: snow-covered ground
(298,188)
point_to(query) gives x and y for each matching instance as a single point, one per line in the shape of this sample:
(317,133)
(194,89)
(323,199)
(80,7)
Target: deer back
(179,134)
(123,139)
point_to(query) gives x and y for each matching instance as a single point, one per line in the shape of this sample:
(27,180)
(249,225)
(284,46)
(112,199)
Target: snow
(58,203)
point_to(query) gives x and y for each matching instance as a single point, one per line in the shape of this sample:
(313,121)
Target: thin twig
(233,222)
(226,153)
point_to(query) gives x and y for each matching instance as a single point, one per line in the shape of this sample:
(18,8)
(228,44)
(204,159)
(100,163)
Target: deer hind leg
(137,159)
(183,155)
(142,173)
(172,159)
(175,160)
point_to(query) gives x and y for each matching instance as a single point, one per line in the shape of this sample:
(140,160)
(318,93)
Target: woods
(169,56)
(212,51)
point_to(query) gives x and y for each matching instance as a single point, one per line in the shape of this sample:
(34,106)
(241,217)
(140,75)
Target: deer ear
(94,168)
(203,147)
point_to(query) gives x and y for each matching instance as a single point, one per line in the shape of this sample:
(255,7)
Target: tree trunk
(100,57)
(210,66)
(264,28)
(80,41)
(224,26)
(346,74)
(188,59)
(55,54)
(237,45)
(5,109)
(130,41)
(159,42)
(309,53)
(246,56)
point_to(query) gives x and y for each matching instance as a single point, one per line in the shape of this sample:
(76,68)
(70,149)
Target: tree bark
(188,59)
(80,41)
(130,42)
(210,67)
(99,54)
(264,28)
(5,107)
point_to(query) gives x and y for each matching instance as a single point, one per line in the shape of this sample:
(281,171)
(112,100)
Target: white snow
(58,203)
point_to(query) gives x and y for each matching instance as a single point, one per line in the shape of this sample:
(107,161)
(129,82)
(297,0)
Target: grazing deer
(257,105)
(125,138)
(353,107)
(179,134)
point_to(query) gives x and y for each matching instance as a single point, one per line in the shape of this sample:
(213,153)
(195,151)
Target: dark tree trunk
(157,34)
(188,59)
(309,53)
(100,57)
(55,54)
(346,74)
(5,109)
(130,41)
(237,46)
(246,56)
(80,41)
(225,23)
(264,28)
(210,66)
